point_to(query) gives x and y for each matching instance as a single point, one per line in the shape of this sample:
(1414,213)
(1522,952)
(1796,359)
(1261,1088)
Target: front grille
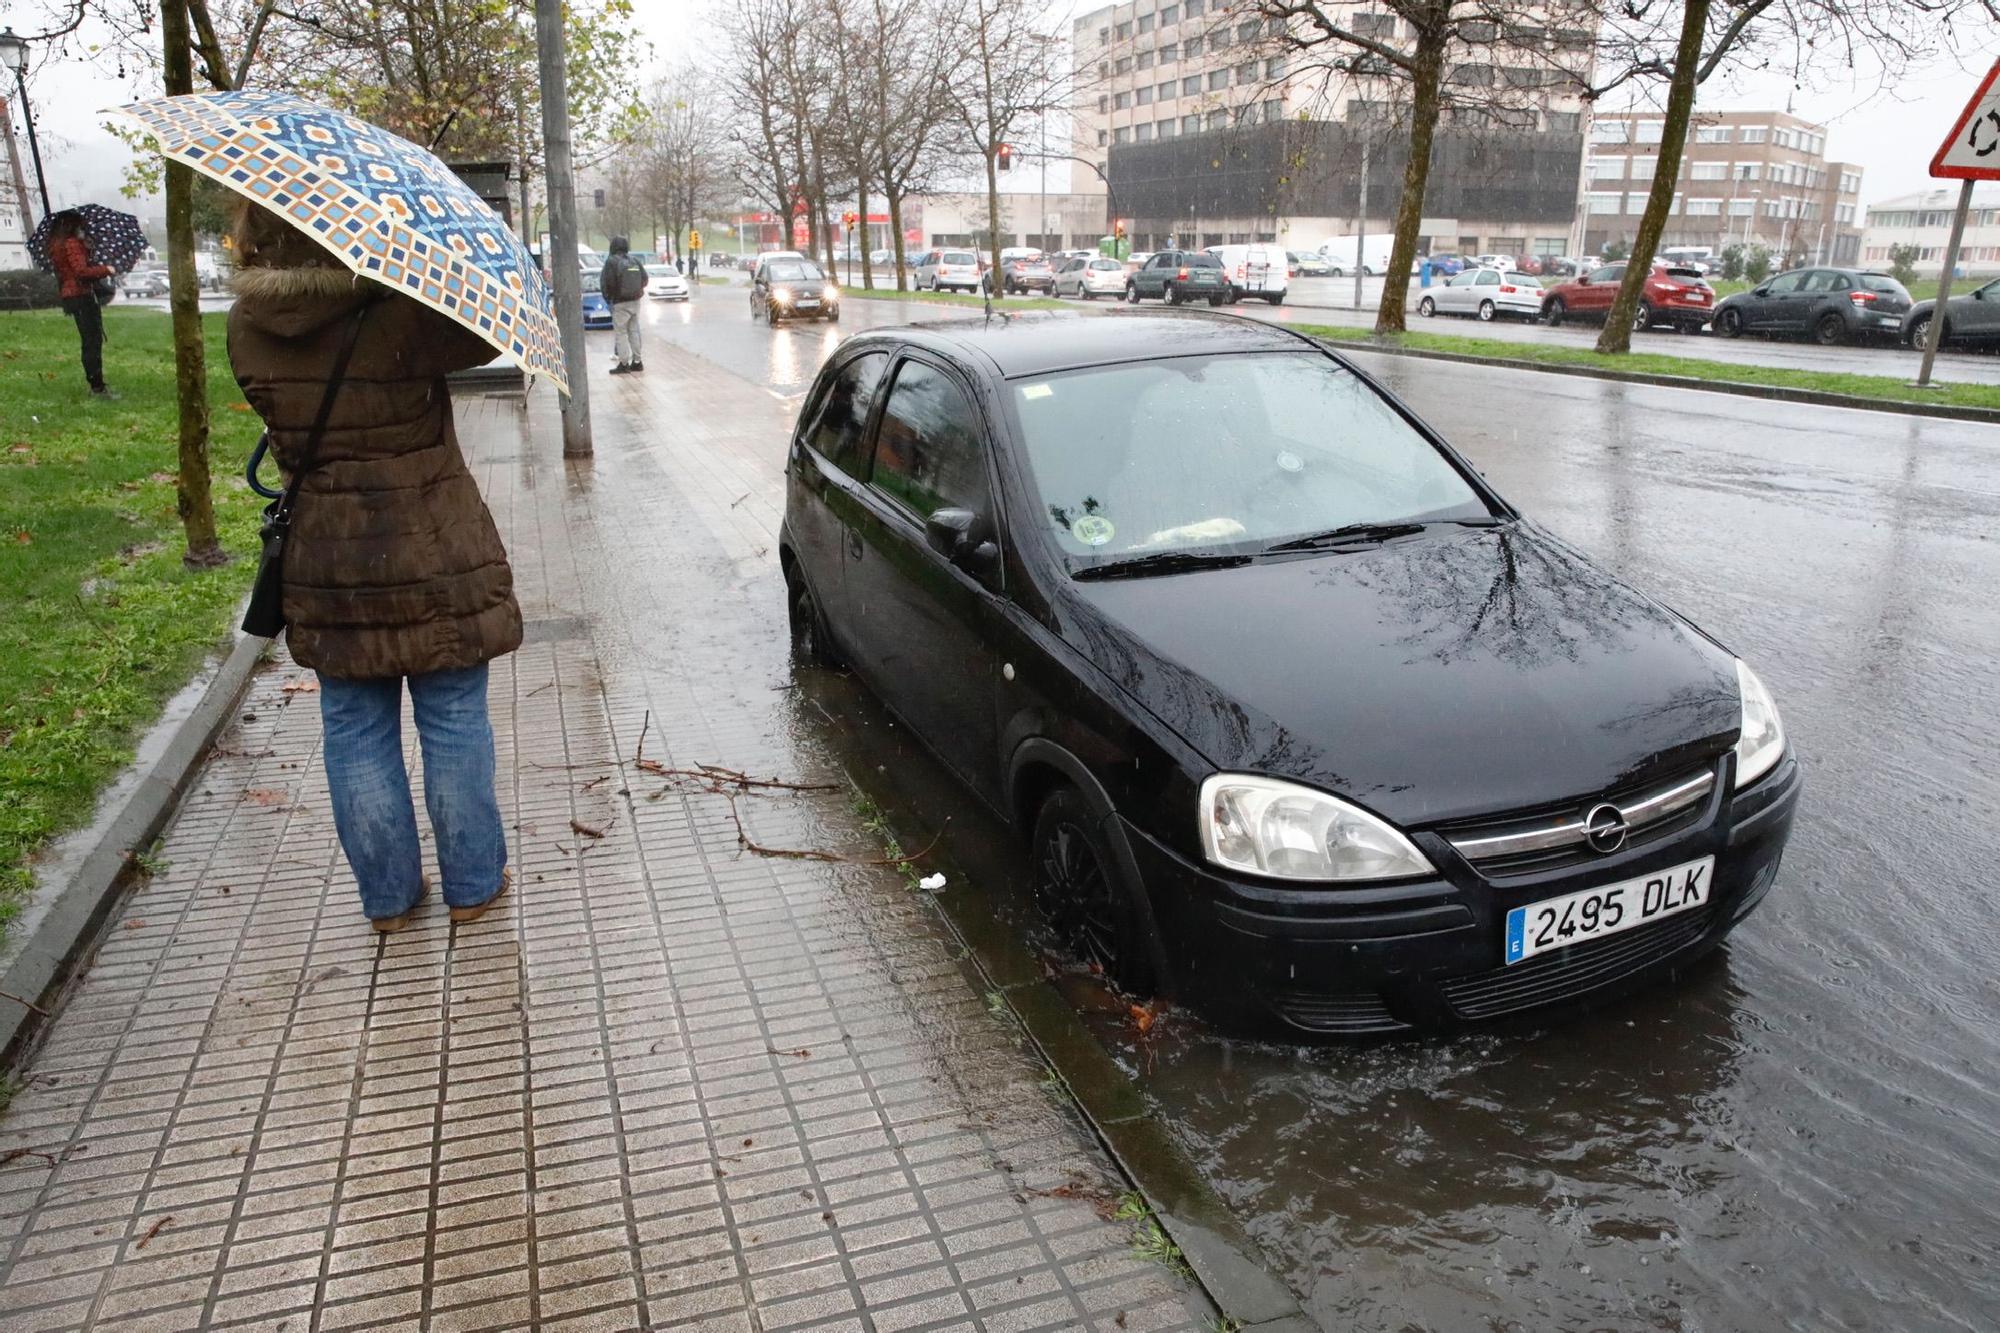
(1571,972)
(1342,1013)
(1551,838)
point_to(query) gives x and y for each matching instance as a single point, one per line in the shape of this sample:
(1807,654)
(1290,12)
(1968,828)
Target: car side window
(1827,280)
(1488,278)
(1786,282)
(1165,259)
(929,450)
(1609,273)
(835,433)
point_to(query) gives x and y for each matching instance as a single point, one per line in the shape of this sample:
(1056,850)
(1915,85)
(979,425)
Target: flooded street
(1802,1132)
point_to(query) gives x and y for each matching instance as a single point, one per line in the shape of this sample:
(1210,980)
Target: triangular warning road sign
(1972,150)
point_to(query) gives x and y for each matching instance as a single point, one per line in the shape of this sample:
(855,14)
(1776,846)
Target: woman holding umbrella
(78,272)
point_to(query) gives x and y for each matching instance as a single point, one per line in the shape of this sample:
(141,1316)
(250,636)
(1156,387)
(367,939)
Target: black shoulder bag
(265,615)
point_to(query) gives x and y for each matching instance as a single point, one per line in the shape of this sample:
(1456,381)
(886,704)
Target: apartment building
(1752,177)
(1923,221)
(1281,149)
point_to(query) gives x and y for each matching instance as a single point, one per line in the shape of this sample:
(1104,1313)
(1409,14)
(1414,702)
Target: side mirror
(1762,291)
(953,534)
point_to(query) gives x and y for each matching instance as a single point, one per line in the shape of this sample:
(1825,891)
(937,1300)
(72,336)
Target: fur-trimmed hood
(292,302)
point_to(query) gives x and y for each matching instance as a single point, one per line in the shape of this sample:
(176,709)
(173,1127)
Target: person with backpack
(79,274)
(623,281)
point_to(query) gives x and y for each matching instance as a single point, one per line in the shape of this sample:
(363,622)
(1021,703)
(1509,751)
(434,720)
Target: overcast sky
(1890,134)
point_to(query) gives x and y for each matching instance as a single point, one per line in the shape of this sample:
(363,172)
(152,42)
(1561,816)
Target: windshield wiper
(1160,562)
(1351,534)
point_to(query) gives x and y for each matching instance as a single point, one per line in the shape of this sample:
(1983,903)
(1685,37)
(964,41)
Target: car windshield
(791,270)
(591,283)
(1226,454)
(660,271)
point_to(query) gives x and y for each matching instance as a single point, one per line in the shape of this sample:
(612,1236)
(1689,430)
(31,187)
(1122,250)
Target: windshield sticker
(1036,391)
(1290,461)
(1091,530)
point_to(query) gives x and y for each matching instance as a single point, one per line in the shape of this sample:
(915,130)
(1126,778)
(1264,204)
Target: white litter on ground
(932,882)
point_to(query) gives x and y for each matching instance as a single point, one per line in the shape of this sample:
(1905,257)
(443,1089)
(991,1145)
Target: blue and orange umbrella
(391,211)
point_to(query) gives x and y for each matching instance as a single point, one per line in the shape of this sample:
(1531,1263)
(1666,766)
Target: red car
(1529,264)
(1673,295)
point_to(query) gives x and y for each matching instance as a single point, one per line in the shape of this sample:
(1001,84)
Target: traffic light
(848,217)
(1119,231)
(1004,158)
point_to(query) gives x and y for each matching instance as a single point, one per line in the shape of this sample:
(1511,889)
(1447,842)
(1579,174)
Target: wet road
(1804,1133)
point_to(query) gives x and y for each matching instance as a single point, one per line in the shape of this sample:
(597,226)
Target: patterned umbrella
(114,238)
(390,210)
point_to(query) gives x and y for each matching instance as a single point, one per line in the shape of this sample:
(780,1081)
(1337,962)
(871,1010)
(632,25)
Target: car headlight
(1762,743)
(781,294)
(1267,827)
(830,293)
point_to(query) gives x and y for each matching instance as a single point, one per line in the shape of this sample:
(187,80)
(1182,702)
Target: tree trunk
(896,237)
(1617,334)
(999,288)
(861,213)
(197,507)
(1392,315)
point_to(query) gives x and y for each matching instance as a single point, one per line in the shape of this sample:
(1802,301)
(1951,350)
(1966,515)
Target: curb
(1770,392)
(58,926)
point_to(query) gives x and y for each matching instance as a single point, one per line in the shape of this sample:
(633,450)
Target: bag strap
(283,508)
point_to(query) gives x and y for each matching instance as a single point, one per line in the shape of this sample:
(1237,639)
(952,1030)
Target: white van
(1339,252)
(1254,270)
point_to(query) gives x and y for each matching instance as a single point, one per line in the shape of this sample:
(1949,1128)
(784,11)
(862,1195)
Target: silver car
(1091,278)
(1485,294)
(944,269)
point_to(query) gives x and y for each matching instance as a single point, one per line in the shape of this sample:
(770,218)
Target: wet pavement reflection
(1803,1132)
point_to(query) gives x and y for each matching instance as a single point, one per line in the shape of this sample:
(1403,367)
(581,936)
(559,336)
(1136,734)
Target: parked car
(146,282)
(881,258)
(1259,271)
(665,283)
(718,259)
(1560,266)
(1528,264)
(1206,615)
(1972,319)
(1309,263)
(1091,278)
(1485,294)
(1828,305)
(1673,295)
(1023,270)
(1502,263)
(1177,277)
(596,310)
(1446,264)
(793,289)
(944,270)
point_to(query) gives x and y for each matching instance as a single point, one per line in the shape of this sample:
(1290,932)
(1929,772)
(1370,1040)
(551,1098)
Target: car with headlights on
(596,310)
(785,289)
(665,283)
(1485,294)
(1301,721)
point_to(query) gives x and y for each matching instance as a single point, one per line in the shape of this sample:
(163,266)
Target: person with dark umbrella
(78,272)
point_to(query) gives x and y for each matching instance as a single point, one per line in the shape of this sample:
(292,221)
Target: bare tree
(1010,78)
(680,170)
(1682,45)
(1415,61)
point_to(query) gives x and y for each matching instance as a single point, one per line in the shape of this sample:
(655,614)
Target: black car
(1177,277)
(1296,713)
(1971,319)
(1828,305)
(784,289)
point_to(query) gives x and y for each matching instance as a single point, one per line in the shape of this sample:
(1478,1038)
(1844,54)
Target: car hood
(1462,673)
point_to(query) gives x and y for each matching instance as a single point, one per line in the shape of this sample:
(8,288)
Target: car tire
(1920,332)
(1642,318)
(1729,323)
(833,315)
(1276,298)
(1087,294)
(1219,301)
(1171,296)
(1829,330)
(1427,308)
(1336,273)
(1556,313)
(811,644)
(1486,312)
(1084,894)
(1131,293)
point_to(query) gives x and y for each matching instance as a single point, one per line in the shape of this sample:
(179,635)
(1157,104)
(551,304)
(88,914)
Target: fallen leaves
(22,537)
(1145,1015)
(153,1231)
(271,796)
(579,827)
(303,685)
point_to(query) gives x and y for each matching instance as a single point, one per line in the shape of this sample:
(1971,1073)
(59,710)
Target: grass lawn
(99,623)
(1894,388)
(958,298)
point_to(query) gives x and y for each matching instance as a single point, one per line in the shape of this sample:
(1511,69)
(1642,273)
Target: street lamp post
(14,55)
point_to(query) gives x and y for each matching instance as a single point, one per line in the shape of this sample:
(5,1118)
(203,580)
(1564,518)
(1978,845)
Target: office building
(1922,221)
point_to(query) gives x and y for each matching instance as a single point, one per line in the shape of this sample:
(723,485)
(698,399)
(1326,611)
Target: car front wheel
(1920,332)
(1729,324)
(810,642)
(1427,307)
(1083,894)
(1131,293)
(1556,313)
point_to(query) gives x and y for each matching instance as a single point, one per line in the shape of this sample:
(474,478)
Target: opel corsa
(1300,719)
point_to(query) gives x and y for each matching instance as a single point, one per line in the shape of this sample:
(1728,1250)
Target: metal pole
(1935,333)
(559,184)
(1361,228)
(34,148)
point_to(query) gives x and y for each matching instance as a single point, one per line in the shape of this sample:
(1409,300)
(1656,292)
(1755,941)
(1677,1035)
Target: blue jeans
(372,809)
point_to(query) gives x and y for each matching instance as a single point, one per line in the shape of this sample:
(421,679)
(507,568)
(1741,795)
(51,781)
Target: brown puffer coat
(393,566)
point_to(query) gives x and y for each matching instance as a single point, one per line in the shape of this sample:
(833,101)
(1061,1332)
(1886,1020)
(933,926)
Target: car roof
(1041,343)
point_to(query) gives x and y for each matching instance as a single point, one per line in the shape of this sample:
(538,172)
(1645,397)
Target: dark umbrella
(114,238)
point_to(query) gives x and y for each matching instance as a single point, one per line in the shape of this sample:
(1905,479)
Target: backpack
(628,280)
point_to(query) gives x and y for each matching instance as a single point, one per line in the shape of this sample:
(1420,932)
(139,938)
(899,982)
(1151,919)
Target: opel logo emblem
(1604,828)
